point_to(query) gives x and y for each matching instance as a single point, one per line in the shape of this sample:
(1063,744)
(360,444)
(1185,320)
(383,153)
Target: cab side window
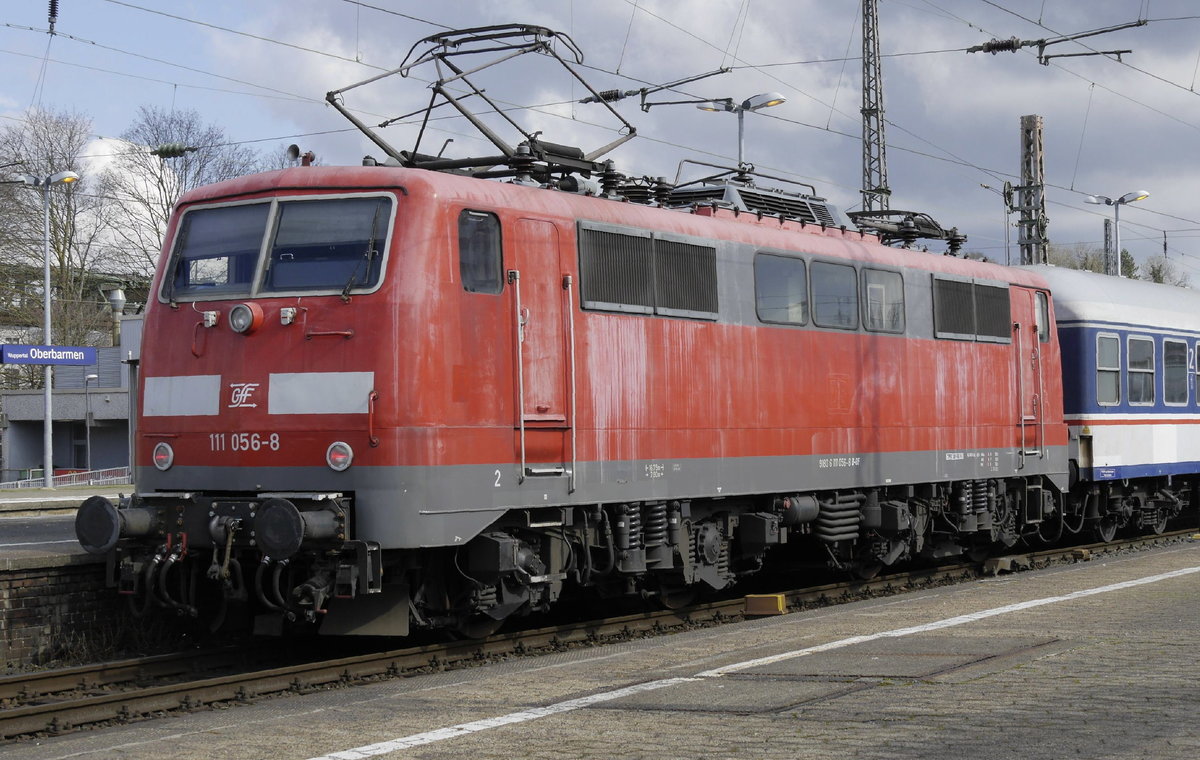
(1043,317)
(480,257)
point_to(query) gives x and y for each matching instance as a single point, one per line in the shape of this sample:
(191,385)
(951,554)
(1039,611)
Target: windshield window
(217,250)
(328,244)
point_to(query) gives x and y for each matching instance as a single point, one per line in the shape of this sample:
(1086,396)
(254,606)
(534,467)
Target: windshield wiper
(368,256)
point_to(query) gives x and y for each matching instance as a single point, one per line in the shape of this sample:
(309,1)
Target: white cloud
(967,105)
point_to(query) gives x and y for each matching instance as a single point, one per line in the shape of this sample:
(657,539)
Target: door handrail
(514,279)
(570,319)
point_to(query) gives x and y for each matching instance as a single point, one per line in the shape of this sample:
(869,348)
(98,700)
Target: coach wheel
(1106,528)
(1160,526)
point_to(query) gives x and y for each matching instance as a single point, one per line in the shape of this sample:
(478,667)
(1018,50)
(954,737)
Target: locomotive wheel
(676,595)
(978,552)
(1106,528)
(477,626)
(865,571)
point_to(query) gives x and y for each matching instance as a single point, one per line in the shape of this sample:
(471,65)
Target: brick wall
(57,610)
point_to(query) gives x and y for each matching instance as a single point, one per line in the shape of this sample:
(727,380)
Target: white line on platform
(41,543)
(940,624)
(462,729)
(429,737)
(77,498)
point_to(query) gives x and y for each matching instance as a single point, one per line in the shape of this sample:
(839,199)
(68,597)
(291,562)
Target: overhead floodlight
(62,178)
(763,100)
(753,103)
(1111,265)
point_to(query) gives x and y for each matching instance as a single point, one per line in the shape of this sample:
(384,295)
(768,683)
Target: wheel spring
(628,528)
(979,496)
(654,519)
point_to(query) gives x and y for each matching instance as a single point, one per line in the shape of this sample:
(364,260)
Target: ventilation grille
(971,311)
(636,272)
(692,195)
(617,271)
(793,207)
(685,277)
(992,312)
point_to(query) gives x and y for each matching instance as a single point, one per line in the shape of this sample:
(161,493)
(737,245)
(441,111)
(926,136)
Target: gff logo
(240,394)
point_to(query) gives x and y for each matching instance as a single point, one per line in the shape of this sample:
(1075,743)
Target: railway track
(57,701)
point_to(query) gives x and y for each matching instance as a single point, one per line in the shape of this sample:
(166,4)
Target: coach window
(480,258)
(1175,373)
(1042,316)
(883,294)
(834,295)
(1141,371)
(780,289)
(1108,370)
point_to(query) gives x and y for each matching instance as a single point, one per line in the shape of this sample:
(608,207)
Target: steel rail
(54,717)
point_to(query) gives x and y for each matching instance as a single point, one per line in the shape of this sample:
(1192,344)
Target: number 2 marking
(497,479)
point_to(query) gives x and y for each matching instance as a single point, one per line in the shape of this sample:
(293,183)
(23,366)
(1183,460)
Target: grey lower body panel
(411,507)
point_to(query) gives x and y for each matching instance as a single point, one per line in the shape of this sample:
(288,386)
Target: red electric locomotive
(446,397)
(379,398)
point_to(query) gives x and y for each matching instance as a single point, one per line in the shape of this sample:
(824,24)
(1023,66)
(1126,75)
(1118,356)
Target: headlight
(245,317)
(164,456)
(339,456)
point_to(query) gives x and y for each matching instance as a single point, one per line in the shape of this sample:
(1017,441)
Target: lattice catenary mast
(875,189)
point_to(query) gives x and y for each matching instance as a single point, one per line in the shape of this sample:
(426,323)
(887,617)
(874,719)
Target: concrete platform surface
(41,541)
(65,500)
(1094,660)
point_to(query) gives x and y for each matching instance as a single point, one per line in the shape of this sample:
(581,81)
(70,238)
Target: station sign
(19,354)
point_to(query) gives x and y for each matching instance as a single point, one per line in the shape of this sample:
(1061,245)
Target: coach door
(1029,327)
(542,295)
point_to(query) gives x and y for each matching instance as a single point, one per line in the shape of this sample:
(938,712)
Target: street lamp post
(764,100)
(87,419)
(1113,266)
(45,183)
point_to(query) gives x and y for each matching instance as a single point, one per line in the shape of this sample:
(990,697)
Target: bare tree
(146,186)
(46,143)
(1161,269)
(1089,258)
(1077,256)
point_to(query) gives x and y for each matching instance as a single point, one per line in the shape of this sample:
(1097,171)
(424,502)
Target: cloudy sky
(261,68)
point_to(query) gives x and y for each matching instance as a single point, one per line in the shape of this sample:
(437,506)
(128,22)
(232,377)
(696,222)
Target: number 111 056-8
(243,441)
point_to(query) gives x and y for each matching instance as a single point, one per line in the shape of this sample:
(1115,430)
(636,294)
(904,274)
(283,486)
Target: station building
(83,407)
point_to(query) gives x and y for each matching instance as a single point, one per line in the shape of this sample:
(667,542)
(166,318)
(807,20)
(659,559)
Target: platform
(1094,659)
(26,502)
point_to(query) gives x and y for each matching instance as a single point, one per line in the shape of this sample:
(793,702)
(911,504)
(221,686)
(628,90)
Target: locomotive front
(257,402)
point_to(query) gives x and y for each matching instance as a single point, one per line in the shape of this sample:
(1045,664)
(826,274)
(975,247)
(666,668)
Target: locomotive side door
(542,325)
(1030,331)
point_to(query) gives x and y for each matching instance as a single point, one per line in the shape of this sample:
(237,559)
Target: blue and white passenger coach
(1129,374)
